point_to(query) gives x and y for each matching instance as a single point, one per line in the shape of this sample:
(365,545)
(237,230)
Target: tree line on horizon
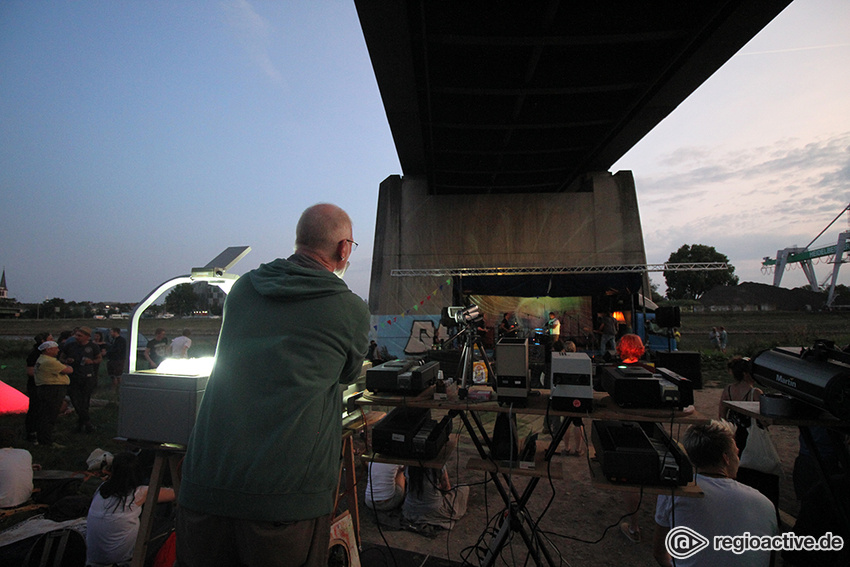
(182,300)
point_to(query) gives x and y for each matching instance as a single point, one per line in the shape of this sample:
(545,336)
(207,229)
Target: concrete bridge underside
(597,225)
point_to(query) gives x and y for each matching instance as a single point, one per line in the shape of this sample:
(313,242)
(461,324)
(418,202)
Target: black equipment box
(431,439)
(637,386)
(402,376)
(639,453)
(410,433)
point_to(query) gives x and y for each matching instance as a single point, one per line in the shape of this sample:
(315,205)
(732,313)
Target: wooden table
(517,518)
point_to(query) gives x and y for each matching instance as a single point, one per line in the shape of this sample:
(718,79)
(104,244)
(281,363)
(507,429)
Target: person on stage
(508,326)
(553,328)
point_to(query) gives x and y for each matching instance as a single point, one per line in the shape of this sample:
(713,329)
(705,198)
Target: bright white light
(186,366)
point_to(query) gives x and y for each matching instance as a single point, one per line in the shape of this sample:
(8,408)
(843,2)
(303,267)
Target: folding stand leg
(161,460)
(347,478)
(513,520)
(145,524)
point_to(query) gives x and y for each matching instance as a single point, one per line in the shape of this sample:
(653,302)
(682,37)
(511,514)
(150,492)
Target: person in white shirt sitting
(15,471)
(728,508)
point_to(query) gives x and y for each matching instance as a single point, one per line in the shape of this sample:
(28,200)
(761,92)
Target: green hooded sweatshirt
(266,443)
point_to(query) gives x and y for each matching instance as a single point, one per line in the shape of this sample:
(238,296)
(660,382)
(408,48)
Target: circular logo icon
(683,542)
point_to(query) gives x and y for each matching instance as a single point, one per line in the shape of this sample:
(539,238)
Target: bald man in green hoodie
(262,464)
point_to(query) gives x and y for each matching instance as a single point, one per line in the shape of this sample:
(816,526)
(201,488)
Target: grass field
(748,333)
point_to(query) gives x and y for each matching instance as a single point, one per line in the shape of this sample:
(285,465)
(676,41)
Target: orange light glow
(618,315)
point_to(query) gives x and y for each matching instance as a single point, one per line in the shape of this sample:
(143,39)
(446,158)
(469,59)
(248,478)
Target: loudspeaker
(536,354)
(683,363)
(668,316)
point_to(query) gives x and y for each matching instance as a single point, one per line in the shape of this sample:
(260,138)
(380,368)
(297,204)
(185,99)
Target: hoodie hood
(285,280)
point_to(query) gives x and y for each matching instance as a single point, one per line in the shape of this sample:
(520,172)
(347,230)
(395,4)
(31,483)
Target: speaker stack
(670,316)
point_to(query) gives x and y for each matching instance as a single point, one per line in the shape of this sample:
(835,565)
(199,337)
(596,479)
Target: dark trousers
(204,540)
(31,420)
(80,391)
(50,400)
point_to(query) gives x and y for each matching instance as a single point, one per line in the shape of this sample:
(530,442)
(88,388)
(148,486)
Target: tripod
(464,371)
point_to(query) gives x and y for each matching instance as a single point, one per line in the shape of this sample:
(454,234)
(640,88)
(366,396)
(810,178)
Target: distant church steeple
(4,293)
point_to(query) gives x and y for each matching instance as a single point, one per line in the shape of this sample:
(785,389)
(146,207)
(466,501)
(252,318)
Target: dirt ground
(581,520)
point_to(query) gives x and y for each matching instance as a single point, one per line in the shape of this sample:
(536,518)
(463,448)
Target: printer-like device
(409,377)
(638,386)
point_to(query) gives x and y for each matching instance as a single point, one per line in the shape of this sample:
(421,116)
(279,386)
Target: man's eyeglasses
(353,244)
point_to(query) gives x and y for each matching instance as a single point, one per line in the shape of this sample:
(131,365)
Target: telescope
(819,376)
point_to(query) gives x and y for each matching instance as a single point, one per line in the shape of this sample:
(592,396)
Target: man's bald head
(320,231)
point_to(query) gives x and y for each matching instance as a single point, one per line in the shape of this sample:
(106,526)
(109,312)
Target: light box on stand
(160,405)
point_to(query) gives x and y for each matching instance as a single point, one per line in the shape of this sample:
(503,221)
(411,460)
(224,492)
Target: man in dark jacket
(262,464)
(83,355)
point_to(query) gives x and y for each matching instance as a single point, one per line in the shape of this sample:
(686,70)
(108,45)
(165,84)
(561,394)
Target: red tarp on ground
(12,400)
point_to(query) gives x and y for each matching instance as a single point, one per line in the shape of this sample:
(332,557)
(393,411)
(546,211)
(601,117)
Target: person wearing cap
(51,382)
(82,355)
(31,421)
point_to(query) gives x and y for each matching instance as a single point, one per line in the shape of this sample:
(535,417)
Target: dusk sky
(139,140)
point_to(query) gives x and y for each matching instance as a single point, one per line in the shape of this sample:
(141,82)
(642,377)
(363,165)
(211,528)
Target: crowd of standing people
(62,374)
(62,369)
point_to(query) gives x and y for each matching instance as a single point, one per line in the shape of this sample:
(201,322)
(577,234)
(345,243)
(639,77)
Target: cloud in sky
(746,203)
(254,35)
(757,159)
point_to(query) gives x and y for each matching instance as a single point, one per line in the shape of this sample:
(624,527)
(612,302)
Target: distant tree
(154,310)
(76,310)
(54,308)
(181,300)
(842,295)
(692,284)
(654,295)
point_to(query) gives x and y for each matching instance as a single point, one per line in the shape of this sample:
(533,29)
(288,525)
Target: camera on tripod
(455,316)
(467,318)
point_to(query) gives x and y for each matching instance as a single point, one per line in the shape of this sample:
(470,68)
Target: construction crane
(804,256)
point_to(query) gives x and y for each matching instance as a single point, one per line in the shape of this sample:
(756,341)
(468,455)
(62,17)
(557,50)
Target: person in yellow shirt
(51,383)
